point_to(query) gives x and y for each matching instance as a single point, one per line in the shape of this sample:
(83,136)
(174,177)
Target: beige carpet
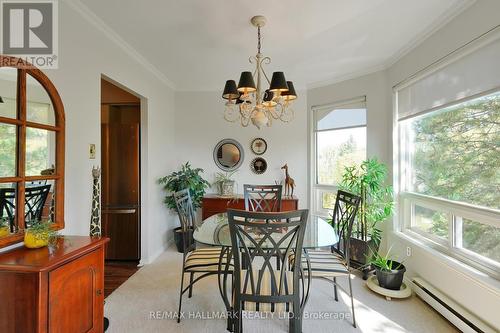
(145,302)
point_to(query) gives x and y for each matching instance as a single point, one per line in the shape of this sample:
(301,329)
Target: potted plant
(4,226)
(39,234)
(389,272)
(368,180)
(224,183)
(186,177)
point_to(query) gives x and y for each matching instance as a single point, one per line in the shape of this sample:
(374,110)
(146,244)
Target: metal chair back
(187,217)
(257,237)
(35,199)
(344,214)
(262,198)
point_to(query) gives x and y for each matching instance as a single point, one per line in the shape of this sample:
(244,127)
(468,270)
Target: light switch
(92,151)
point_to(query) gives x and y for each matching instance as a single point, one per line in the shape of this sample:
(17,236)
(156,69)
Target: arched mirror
(31,150)
(228,154)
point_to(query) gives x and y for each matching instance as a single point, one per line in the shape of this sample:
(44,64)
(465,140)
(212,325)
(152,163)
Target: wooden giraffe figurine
(289,182)
(95,218)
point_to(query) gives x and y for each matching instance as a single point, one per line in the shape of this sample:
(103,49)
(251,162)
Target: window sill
(460,267)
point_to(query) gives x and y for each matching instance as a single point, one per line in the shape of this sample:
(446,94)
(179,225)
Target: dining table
(214,231)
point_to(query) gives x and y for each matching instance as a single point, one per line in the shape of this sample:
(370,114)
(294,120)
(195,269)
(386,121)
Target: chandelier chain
(258,39)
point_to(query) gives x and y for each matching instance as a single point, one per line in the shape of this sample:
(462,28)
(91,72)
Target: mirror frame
(24,69)
(240,148)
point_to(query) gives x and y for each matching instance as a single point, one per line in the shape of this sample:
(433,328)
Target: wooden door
(120,133)
(121,226)
(76,295)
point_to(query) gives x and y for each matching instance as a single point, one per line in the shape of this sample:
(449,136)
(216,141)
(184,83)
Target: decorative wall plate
(258,165)
(259,146)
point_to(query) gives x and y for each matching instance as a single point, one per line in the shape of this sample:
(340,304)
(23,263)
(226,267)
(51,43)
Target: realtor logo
(29,31)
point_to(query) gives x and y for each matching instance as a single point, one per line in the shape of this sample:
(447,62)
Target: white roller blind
(349,113)
(474,70)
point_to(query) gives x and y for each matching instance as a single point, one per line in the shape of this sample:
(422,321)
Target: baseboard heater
(453,312)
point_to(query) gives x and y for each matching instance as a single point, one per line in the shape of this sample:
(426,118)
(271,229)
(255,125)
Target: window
(31,150)
(455,152)
(431,222)
(448,165)
(451,159)
(339,140)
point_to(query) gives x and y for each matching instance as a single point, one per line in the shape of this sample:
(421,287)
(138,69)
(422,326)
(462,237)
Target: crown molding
(97,22)
(346,77)
(439,23)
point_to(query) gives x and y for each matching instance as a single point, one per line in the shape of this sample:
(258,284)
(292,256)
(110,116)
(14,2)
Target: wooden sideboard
(57,291)
(213,204)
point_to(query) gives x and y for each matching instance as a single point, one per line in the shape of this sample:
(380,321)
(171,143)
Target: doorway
(120,164)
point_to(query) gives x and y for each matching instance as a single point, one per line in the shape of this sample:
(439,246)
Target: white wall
(84,55)
(379,121)
(199,115)
(200,125)
(473,290)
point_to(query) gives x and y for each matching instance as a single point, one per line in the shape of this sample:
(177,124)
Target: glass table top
(215,231)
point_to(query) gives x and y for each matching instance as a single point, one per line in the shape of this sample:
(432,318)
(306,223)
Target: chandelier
(248,102)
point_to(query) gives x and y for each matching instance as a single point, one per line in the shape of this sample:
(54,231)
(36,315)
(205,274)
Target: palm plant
(368,180)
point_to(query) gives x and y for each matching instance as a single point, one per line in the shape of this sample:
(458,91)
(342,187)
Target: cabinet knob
(98,292)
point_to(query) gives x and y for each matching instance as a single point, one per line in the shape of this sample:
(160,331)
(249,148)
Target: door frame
(143,161)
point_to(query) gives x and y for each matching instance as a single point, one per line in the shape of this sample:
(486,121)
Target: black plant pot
(360,252)
(179,238)
(391,279)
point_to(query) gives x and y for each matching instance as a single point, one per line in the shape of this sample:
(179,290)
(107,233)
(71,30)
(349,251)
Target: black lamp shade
(230,91)
(239,100)
(246,83)
(290,94)
(278,82)
(268,99)
(1,100)
(267,96)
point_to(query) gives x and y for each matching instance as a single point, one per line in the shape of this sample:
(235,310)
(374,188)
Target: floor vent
(456,314)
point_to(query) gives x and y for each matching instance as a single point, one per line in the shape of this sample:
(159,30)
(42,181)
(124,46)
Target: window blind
(473,70)
(343,114)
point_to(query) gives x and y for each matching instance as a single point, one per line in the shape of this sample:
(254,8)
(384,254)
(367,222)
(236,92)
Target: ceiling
(198,44)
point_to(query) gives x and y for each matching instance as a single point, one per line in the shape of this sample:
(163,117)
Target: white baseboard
(157,253)
(459,316)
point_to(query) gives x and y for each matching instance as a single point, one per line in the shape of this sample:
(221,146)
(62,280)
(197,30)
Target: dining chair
(35,198)
(204,261)
(34,201)
(258,237)
(262,198)
(334,263)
